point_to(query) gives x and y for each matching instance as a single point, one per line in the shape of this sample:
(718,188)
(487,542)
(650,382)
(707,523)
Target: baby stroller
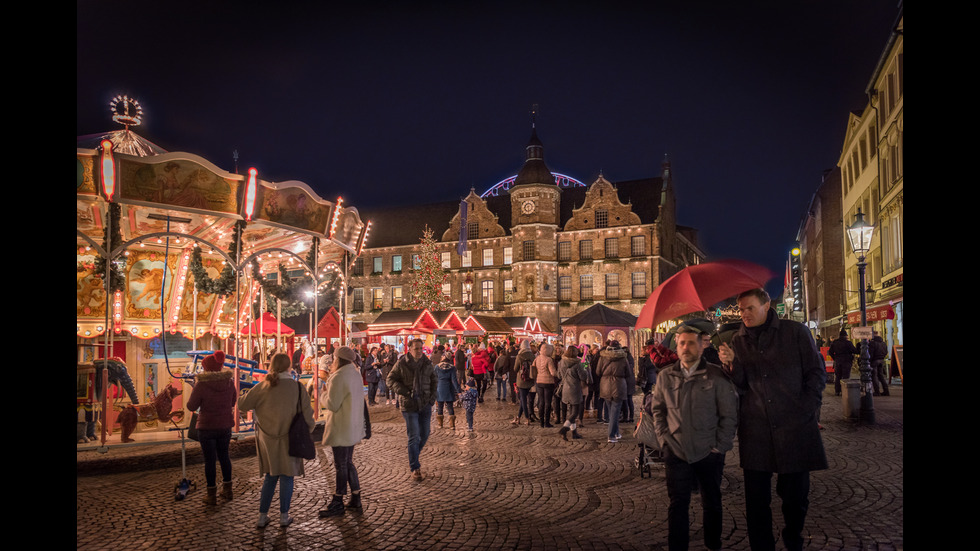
(650,454)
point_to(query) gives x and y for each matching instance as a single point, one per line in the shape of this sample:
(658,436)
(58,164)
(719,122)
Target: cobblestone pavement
(500,487)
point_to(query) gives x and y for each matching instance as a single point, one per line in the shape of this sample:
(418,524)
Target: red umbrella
(697,288)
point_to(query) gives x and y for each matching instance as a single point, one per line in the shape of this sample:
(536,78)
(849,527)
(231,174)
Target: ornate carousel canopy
(162,217)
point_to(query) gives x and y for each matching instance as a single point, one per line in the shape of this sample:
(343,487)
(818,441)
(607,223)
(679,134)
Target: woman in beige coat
(343,401)
(275,403)
(545,381)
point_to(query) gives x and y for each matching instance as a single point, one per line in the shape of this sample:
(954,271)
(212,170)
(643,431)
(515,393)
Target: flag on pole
(461,248)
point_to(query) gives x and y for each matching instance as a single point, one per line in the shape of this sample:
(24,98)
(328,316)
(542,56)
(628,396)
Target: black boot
(355,502)
(576,435)
(564,433)
(335,509)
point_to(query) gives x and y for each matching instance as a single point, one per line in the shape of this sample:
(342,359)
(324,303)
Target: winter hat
(214,362)
(843,333)
(471,382)
(345,353)
(525,344)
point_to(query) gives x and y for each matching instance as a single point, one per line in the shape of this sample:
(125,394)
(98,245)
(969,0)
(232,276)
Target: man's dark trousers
(681,478)
(793,489)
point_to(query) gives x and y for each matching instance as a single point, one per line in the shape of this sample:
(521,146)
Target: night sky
(421,101)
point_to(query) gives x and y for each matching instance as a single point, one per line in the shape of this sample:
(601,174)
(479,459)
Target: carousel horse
(118,375)
(160,409)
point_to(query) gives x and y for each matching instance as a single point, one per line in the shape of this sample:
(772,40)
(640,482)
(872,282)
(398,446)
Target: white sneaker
(612,440)
(263,521)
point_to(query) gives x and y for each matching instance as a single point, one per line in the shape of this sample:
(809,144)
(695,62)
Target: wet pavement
(499,487)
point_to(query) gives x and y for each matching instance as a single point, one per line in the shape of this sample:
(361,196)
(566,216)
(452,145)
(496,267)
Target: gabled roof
(600,314)
(404,319)
(448,319)
(490,324)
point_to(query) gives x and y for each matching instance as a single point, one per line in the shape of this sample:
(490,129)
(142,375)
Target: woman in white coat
(343,401)
(276,401)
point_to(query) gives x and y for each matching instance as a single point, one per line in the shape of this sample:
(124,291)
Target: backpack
(525,372)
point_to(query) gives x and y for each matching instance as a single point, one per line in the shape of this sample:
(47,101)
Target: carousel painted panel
(178,183)
(293,205)
(189,311)
(145,293)
(348,229)
(89,288)
(85,174)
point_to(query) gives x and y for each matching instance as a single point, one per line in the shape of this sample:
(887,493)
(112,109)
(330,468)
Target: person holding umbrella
(780,377)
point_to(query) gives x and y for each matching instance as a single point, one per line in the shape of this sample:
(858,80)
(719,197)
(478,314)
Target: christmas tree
(429,277)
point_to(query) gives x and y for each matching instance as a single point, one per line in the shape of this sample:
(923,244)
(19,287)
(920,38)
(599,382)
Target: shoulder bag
(300,439)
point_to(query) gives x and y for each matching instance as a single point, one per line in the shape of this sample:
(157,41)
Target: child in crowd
(469,398)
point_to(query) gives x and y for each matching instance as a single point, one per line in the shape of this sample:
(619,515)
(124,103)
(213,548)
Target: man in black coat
(842,351)
(878,351)
(780,377)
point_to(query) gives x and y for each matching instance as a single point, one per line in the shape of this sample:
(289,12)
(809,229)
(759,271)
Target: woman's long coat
(274,408)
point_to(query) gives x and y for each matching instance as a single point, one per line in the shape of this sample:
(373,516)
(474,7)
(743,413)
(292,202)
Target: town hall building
(535,246)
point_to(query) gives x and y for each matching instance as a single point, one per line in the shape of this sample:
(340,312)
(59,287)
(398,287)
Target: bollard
(851,399)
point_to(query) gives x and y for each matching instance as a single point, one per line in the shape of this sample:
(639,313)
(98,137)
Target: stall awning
(875,313)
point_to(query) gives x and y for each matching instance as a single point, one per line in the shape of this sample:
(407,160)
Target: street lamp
(860,233)
(468,293)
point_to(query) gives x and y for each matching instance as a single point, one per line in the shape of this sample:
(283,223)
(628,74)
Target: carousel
(176,258)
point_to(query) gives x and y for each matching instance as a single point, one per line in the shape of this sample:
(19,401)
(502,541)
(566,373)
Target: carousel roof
(124,141)
(163,204)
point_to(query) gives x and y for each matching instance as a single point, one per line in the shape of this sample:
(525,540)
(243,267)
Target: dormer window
(601,218)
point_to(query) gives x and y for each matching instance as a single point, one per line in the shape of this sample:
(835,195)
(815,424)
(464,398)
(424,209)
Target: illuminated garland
(291,292)
(224,285)
(117,281)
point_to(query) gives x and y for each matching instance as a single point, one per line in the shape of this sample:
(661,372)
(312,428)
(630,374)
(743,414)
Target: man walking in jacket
(695,414)
(414,380)
(780,378)
(842,351)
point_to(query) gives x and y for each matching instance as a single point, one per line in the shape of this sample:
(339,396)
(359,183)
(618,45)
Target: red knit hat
(214,362)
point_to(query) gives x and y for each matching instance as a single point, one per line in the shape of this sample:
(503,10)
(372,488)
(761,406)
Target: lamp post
(859,234)
(468,293)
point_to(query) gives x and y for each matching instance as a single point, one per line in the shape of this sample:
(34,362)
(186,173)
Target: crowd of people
(765,386)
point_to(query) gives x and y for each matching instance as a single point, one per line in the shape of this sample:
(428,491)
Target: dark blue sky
(390,105)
